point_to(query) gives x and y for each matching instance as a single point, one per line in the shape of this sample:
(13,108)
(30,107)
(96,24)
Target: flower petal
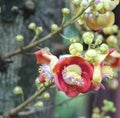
(42,56)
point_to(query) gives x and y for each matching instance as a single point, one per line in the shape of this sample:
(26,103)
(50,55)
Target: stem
(22,97)
(34,38)
(35,43)
(64,37)
(15,111)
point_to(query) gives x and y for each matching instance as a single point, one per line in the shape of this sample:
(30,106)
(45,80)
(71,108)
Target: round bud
(54,27)
(91,56)
(75,49)
(105,101)
(104,48)
(96,110)
(113,110)
(108,30)
(104,109)
(107,116)
(18,90)
(32,26)
(38,30)
(94,115)
(112,41)
(88,37)
(115,28)
(91,53)
(65,11)
(39,104)
(84,3)
(113,84)
(76,2)
(46,96)
(98,41)
(19,37)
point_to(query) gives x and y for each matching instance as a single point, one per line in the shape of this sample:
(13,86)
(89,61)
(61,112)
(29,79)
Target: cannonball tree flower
(73,75)
(47,61)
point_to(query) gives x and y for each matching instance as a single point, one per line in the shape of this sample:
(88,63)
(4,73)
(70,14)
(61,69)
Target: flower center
(72,75)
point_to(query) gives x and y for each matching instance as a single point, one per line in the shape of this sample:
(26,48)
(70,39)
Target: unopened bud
(39,104)
(91,56)
(54,27)
(96,110)
(32,26)
(88,37)
(91,53)
(104,48)
(39,30)
(98,40)
(76,2)
(18,90)
(115,28)
(65,11)
(84,3)
(46,95)
(113,84)
(19,37)
(112,41)
(76,49)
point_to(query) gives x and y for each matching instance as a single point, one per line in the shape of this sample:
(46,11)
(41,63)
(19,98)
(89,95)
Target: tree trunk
(23,70)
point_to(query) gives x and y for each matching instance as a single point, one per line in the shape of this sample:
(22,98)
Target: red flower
(113,58)
(73,75)
(42,56)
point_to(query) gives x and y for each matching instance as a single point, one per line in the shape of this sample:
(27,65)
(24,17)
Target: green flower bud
(18,90)
(91,56)
(76,2)
(84,3)
(19,37)
(46,96)
(98,40)
(94,115)
(108,30)
(105,109)
(32,26)
(112,41)
(115,28)
(113,110)
(76,49)
(105,101)
(107,116)
(104,48)
(39,104)
(88,37)
(96,110)
(91,53)
(65,11)
(38,30)
(113,84)
(54,27)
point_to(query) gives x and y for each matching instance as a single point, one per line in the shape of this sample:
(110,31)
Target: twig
(32,45)
(15,111)
(26,113)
